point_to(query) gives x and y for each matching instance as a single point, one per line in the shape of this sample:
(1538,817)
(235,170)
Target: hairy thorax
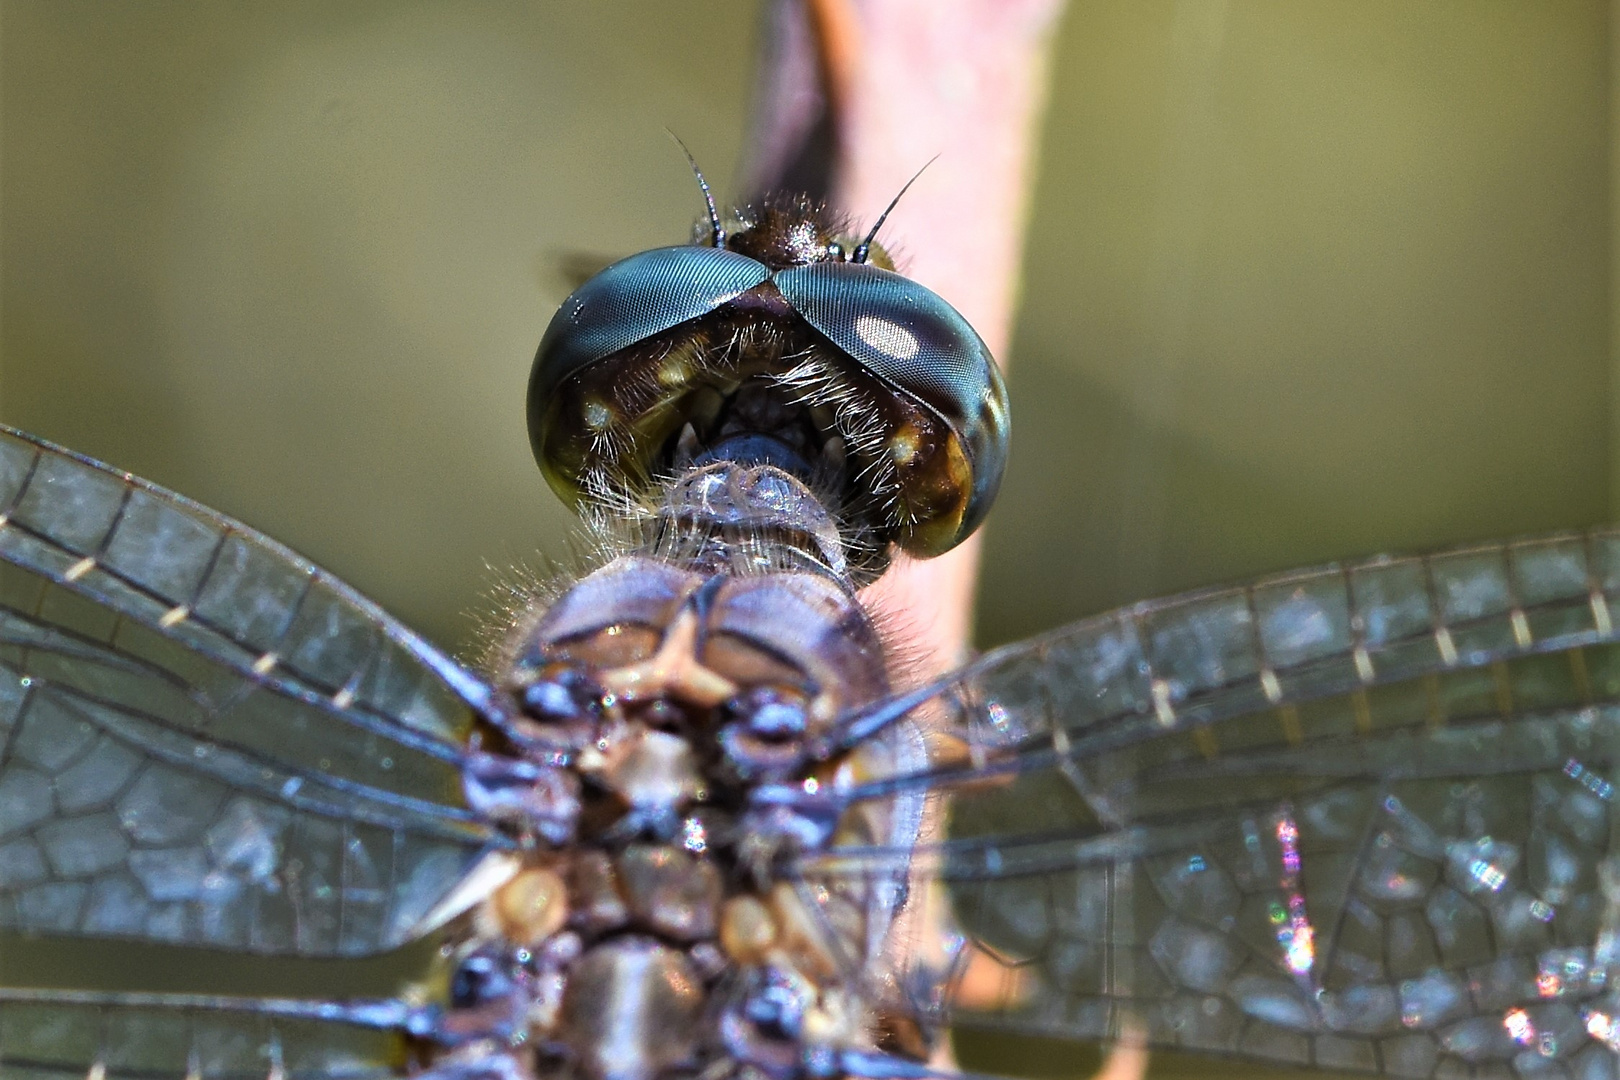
(660,920)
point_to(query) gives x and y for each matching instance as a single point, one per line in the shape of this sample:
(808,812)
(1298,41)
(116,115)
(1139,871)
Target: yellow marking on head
(673,372)
(903,446)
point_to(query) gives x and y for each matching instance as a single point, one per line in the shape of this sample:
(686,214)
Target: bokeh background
(1306,279)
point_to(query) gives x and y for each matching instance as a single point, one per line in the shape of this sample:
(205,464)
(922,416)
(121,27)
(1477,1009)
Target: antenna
(865,246)
(717,235)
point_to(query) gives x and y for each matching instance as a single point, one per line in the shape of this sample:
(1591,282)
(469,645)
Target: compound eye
(909,337)
(632,300)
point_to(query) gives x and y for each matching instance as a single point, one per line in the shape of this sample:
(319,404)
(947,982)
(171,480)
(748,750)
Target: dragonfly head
(791,345)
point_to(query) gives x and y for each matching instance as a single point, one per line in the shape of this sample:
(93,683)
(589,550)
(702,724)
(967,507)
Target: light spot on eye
(889,338)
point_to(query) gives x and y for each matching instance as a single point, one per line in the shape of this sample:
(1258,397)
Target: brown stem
(908,80)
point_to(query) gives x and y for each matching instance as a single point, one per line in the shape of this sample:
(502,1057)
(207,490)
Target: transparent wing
(54,1035)
(1356,818)
(206,740)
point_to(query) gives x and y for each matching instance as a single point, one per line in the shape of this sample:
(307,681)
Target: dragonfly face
(778,342)
(1352,818)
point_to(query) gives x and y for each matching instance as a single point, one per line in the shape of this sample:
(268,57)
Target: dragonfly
(1358,818)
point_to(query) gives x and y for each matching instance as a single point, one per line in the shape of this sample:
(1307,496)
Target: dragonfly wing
(1356,818)
(59,1035)
(206,740)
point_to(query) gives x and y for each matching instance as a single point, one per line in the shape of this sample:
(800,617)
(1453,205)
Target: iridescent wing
(47,1035)
(206,740)
(1357,818)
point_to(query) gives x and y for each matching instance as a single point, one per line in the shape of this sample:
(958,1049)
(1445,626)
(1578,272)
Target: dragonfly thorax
(650,931)
(738,517)
(666,685)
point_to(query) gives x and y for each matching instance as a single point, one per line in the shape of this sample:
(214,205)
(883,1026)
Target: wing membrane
(1356,818)
(206,740)
(165,1037)
(225,591)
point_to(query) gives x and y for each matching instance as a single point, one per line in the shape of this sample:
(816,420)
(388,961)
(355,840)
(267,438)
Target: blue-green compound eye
(634,299)
(934,419)
(911,338)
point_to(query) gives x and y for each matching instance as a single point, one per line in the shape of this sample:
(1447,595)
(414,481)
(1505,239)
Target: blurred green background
(1306,278)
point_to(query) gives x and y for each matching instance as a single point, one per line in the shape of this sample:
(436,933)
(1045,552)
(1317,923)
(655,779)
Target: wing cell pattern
(1360,818)
(58,1036)
(1357,818)
(204,739)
